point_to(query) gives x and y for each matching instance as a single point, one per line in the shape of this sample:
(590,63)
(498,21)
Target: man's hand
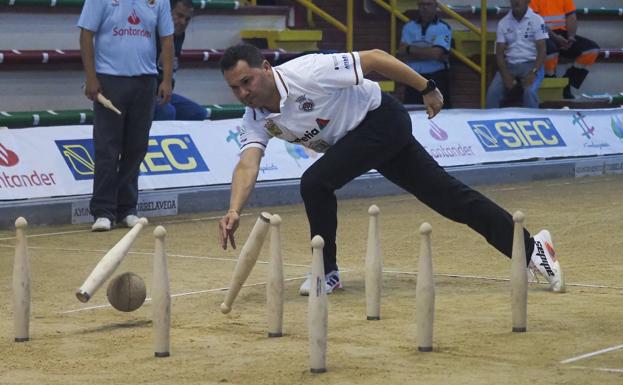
(433,102)
(92,88)
(560,40)
(568,43)
(227,227)
(164,92)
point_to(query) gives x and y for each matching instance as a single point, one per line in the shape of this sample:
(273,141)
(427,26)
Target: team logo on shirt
(305,103)
(151,3)
(272,128)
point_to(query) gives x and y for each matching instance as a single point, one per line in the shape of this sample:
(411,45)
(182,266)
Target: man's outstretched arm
(243,182)
(385,64)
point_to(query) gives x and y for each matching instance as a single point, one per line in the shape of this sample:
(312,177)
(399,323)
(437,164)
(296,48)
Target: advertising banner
(59,161)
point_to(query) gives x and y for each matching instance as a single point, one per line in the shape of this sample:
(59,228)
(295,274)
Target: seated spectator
(426,43)
(179,107)
(560,18)
(519,54)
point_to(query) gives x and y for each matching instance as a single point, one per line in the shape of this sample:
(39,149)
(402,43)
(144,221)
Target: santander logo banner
(8,158)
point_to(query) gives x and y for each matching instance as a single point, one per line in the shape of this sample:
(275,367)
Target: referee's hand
(433,102)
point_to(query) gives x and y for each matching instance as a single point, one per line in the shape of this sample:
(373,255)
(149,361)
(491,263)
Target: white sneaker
(129,221)
(332,282)
(101,224)
(544,261)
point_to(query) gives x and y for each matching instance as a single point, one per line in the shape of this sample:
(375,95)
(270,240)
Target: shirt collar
(528,13)
(434,21)
(282,87)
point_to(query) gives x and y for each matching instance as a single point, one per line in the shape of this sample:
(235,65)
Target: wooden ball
(126,292)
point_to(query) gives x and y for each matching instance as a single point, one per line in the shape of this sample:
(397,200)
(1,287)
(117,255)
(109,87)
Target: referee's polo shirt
(125,34)
(323,96)
(436,34)
(521,36)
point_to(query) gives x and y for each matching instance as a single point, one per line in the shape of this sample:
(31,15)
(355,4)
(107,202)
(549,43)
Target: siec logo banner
(167,154)
(516,134)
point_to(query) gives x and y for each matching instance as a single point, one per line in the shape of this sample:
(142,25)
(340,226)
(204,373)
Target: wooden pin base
(275,334)
(425,349)
(22,339)
(321,370)
(519,330)
(162,354)
(369,318)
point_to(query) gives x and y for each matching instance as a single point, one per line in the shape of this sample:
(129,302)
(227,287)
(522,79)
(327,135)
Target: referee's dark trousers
(120,143)
(384,141)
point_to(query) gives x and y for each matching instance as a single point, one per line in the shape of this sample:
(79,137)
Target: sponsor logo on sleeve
(516,134)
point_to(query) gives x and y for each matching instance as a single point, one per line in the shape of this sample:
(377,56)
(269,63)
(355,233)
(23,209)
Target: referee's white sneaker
(332,282)
(544,261)
(129,221)
(101,224)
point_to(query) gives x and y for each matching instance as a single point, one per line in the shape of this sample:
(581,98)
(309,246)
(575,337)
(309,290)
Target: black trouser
(583,51)
(383,141)
(413,96)
(120,143)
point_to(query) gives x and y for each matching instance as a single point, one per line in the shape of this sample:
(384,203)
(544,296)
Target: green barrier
(199,4)
(225,111)
(75,117)
(504,10)
(45,118)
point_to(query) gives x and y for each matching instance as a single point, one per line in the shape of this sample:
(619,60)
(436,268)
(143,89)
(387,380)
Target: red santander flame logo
(7,157)
(133,19)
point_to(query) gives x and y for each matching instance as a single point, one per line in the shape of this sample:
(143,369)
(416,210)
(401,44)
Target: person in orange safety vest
(561,21)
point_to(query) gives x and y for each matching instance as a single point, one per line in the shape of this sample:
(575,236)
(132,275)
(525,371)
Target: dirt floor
(75,343)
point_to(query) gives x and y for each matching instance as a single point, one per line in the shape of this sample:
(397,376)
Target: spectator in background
(561,21)
(122,66)
(519,53)
(179,107)
(426,42)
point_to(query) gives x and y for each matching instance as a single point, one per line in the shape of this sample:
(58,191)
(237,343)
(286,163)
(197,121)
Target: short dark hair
(187,3)
(247,52)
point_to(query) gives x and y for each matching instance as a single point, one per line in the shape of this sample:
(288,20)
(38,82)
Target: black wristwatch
(430,85)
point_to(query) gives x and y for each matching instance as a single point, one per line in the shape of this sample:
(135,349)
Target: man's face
(181,17)
(253,87)
(427,10)
(519,6)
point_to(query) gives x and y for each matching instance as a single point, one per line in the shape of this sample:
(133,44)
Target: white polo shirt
(323,96)
(520,36)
